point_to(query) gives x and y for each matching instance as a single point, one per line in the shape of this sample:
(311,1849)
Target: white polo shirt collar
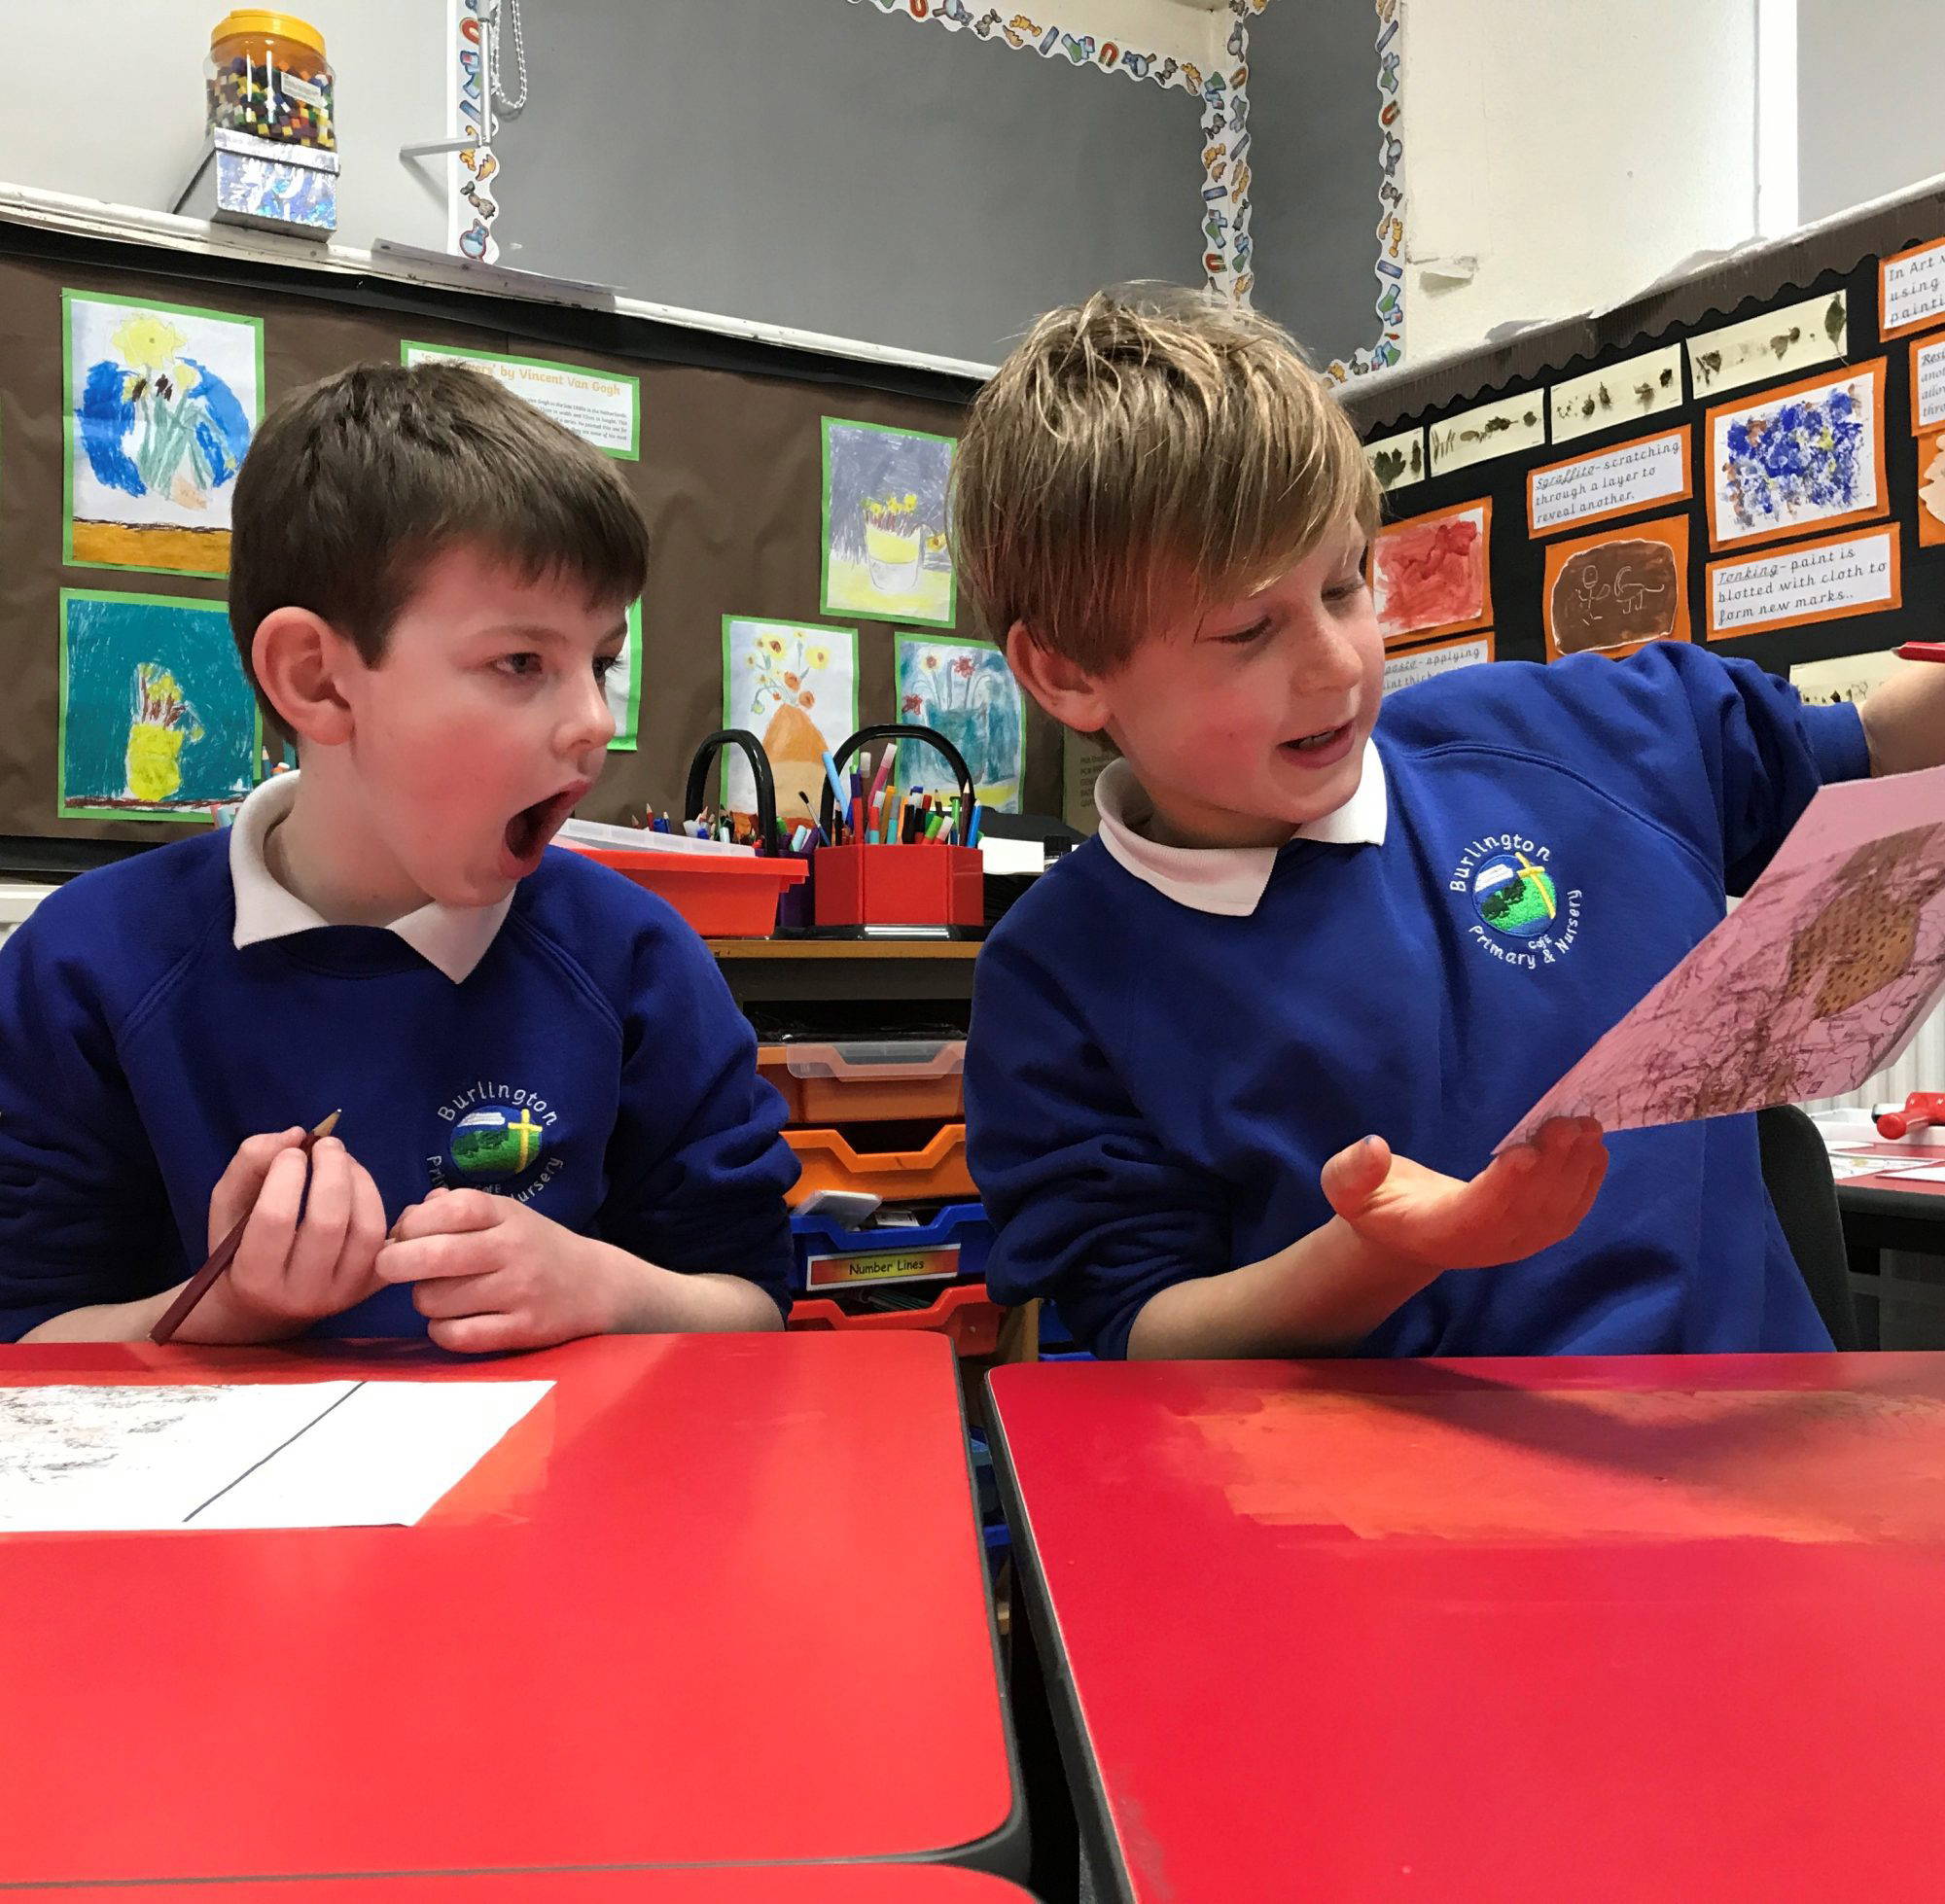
(1226,879)
(452,937)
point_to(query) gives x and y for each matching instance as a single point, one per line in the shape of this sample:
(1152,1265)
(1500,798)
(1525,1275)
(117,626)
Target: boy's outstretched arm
(1397,1227)
(1904,721)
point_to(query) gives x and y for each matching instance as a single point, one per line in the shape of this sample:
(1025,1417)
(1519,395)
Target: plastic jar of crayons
(266,76)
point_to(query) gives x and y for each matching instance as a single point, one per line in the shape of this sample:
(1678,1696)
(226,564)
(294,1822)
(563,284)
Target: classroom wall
(1867,100)
(1560,154)
(104,100)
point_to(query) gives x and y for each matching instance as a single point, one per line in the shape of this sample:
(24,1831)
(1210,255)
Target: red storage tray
(722,896)
(900,886)
(964,1315)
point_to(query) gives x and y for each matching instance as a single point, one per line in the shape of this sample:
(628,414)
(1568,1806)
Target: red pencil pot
(900,886)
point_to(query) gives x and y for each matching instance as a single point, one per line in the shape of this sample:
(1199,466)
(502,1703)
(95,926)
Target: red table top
(1897,1157)
(730,1883)
(1655,1627)
(717,1597)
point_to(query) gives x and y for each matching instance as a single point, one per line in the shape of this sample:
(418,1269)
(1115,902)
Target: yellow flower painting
(886,539)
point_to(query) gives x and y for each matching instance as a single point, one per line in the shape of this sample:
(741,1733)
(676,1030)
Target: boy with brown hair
(552,1124)
(1305,921)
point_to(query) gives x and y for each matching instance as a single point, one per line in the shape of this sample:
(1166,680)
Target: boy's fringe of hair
(1151,445)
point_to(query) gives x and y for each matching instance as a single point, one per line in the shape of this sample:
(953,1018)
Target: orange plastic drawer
(830,1163)
(868,1084)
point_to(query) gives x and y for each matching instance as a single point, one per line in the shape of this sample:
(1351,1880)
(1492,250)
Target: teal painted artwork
(965,691)
(156,721)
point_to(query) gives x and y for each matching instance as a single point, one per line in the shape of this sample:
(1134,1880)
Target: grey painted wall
(823,165)
(1314,156)
(1868,79)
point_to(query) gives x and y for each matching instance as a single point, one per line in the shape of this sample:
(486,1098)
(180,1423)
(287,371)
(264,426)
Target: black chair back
(1796,1170)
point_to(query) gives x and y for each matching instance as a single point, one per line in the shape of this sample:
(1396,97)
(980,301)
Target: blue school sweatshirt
(1154,1088)
(592,1065)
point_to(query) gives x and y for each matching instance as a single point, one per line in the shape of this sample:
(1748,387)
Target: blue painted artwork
(161,405)
(1798,460)
(156,721)
(966,691)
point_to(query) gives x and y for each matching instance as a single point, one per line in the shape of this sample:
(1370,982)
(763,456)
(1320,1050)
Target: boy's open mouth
(529,829)
(1317,743)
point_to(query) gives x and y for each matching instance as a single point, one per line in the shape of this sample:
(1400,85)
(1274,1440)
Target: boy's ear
(1066,690)
(298,659)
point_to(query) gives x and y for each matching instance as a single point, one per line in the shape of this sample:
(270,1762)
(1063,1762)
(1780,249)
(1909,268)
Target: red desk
(1642,1629)
(1897,1157)
(717,1599)
(739,1883)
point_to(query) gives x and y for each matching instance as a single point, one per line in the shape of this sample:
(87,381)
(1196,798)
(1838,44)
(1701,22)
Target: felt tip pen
(878,780)
(836,784)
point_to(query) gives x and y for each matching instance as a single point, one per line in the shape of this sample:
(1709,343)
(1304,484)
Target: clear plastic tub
(266,76)
(875,1082)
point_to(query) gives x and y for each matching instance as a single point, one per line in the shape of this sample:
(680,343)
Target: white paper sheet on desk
(1817,981)
(1843,1165)
(245,1455)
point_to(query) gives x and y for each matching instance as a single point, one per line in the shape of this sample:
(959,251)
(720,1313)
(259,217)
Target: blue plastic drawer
(952,1248)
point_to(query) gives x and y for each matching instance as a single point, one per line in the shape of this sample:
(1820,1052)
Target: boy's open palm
(489,1274)
(1526,1200)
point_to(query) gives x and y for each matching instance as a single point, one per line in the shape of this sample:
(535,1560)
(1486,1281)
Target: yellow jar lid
(281,26)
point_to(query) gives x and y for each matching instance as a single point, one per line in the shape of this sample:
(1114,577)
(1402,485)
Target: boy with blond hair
(553,1123)
(1238,1065)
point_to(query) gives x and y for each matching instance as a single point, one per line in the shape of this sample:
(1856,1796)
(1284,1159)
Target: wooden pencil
(223,1256)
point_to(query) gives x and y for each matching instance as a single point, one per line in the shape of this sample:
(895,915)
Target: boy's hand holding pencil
(311,1224)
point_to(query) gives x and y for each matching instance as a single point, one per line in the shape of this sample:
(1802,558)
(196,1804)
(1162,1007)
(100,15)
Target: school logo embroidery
(488,1146)
(1515,896)
(1521,914)
(495,1137)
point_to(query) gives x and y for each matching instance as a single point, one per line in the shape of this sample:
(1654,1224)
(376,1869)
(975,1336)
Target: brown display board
(729,480)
